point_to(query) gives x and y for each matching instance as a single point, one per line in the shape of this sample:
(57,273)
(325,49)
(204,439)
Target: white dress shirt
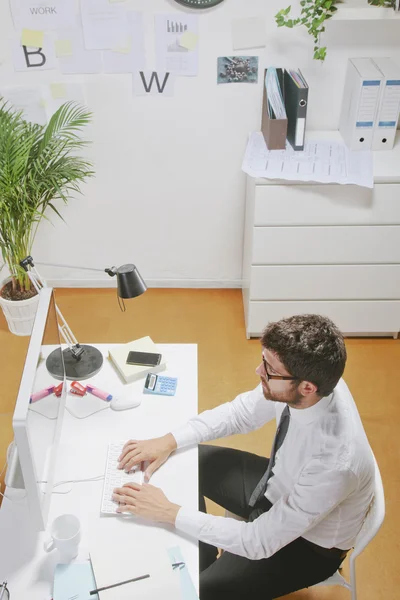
(322,482)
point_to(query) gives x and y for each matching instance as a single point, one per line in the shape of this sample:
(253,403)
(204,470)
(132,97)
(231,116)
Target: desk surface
(82,454)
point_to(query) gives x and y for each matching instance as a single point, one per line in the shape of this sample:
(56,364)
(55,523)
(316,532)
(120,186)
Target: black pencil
(107,587)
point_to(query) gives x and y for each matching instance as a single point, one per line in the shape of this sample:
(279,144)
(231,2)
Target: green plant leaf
(38,168)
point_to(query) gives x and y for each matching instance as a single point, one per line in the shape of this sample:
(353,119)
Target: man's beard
(291,397)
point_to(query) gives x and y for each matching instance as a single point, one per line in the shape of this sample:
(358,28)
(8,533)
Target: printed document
(321,161)
(172,56)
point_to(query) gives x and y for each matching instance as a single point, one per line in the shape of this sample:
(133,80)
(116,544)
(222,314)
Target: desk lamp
(82,361)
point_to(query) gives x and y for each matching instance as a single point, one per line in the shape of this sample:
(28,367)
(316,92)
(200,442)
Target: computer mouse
(125,402)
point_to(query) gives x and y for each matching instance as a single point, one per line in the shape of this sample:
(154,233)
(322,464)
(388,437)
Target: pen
(108,587)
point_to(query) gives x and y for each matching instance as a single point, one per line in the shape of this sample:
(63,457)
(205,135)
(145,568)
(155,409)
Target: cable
(70,412)
(86,416)
(89,479)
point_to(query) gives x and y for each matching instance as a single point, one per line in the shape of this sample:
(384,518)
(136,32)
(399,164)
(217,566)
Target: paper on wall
(80,60)
(28,99)
(324,162)
(42,14)
(249,33)
(30,59)
(171,56)
(104,25)
(153,83)
(129,58)
(59,92)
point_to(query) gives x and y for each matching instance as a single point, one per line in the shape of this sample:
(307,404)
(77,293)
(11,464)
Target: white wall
(169,192)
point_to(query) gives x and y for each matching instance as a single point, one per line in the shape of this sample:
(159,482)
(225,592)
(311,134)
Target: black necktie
(278,441)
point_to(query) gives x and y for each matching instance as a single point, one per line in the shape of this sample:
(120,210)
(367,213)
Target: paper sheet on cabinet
(173,57)
(321,161)
(118,552)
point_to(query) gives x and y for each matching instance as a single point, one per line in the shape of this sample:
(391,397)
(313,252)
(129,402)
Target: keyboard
(115,477)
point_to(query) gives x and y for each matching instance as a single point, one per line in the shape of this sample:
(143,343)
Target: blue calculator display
(159,384)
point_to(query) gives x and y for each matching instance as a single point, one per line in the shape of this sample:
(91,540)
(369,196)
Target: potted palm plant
(38,169)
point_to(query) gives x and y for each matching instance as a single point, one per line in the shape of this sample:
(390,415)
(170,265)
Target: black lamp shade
(129,281)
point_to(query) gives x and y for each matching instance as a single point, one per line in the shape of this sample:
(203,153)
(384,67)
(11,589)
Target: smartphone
(147,359)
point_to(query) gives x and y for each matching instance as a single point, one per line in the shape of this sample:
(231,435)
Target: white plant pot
(20,314)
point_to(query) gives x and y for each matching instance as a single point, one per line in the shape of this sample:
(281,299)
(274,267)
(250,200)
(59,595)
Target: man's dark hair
(311,347)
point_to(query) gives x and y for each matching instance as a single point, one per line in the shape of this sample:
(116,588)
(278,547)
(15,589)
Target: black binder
(296,99)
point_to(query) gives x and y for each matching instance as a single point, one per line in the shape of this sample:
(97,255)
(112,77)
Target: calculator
(159,384)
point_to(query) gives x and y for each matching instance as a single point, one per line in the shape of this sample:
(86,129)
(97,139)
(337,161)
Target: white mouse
(125,402)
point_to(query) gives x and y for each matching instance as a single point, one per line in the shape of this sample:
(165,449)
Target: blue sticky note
(75,580)
(187,587)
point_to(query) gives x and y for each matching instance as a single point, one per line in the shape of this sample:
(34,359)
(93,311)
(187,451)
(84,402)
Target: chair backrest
(374,518)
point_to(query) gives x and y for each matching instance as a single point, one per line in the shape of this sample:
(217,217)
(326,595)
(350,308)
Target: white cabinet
(327,249)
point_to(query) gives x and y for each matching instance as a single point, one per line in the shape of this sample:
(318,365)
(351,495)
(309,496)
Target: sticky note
(32,38)
(58,90)
(189,40)
(124,49)
(42,103)
(63,48)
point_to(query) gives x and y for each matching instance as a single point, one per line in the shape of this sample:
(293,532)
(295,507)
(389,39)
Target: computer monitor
(37,424)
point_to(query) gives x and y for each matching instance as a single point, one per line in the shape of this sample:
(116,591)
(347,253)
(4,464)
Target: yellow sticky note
(63,48)
(189,40)
(124,49)
(58,90)
(32,38)
(42,103)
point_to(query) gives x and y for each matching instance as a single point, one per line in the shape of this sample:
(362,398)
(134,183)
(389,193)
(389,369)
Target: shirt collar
(308,415)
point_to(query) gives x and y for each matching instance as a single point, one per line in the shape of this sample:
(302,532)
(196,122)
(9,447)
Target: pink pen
(99,393)
(42,394)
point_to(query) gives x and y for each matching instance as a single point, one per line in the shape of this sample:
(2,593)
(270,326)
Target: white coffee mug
(65,535)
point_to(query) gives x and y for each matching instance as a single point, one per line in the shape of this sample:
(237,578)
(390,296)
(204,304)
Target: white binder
(360,103)
(389,105)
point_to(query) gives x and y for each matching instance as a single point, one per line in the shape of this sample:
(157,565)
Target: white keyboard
(115,477)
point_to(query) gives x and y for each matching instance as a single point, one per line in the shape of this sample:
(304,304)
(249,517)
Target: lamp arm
(111,271)
(38,283)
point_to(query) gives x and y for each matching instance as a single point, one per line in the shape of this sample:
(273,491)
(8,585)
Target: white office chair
(370,528)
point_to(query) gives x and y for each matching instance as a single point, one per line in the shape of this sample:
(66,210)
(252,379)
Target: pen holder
(273,130)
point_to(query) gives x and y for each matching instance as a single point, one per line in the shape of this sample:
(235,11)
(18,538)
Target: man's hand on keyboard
(155,451)
(146,501)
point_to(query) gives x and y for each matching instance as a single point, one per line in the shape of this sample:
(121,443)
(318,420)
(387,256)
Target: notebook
(129,373)
(75,580)
(118,554)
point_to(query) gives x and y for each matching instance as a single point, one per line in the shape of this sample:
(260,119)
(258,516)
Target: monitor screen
(38,415)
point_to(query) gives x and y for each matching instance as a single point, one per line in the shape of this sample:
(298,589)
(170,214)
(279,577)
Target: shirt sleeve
(249,411)
(317,492)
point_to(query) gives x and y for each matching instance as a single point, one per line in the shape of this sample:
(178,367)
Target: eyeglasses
(280,377)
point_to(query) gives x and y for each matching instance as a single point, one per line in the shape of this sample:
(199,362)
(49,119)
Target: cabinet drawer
(326,205)
(326,245)
(351,317)
(369,282)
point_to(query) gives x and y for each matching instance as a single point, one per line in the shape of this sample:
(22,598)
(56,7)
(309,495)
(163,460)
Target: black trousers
(228,477)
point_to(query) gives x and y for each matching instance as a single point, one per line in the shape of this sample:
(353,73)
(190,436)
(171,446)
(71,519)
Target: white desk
(82,454)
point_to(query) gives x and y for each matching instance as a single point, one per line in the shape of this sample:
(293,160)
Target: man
(302,508)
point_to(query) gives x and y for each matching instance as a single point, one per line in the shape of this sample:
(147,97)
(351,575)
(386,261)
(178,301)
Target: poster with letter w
(153,83)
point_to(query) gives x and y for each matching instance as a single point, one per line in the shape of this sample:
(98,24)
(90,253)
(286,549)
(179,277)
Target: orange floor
(214,320)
